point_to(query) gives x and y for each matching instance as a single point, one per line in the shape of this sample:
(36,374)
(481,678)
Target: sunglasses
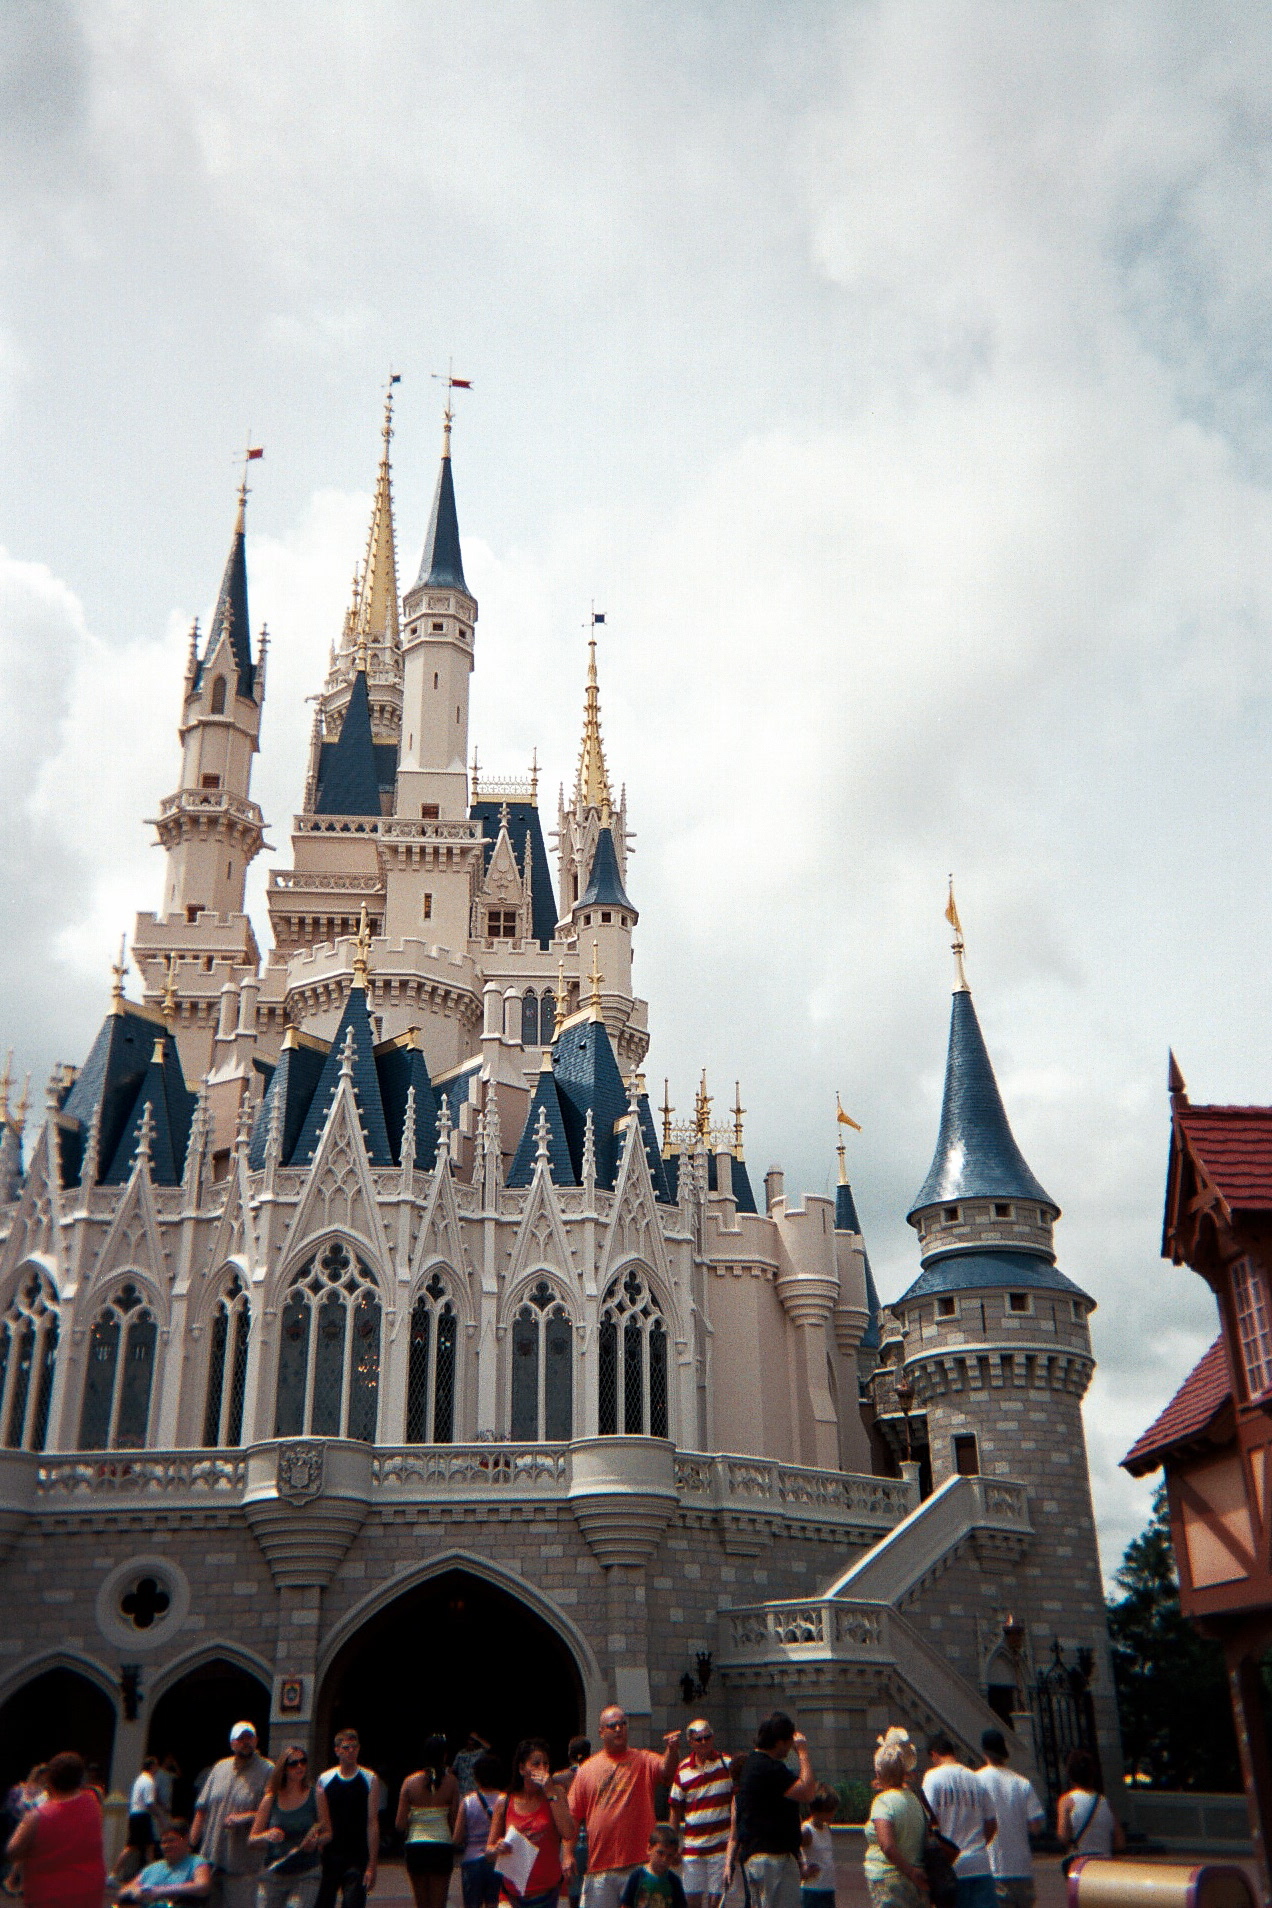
(702,1735)
(296,1762)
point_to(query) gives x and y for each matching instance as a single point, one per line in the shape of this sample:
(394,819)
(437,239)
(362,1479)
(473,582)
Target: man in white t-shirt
(1018,1813)
(964,1817)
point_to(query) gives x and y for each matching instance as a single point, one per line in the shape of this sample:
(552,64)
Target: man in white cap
(225,1813)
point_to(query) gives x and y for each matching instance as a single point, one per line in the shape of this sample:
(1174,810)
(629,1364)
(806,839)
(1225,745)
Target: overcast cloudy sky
(895,376)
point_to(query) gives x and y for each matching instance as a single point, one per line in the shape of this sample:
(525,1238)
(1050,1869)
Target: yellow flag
(843,1118)
(951,911)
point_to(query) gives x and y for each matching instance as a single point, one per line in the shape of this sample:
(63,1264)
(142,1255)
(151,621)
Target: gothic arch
(456,1284)
(212,1284)
(279,1282)
(42,1262)
(102,1291)
(515,1294)
(160,1680)
(331,1343)
(88,1667)
(661,1290)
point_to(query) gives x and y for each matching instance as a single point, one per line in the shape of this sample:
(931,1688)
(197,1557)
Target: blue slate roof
(546,1099)
(119,1064)
(400,1068)
(671,1173)
(366,1087)
(846,1220)
(442,566)
(152,1093)
(386,766)
(653,1150)
(523,822)
(231,606)
(295,1079)
(989,1271)
(604,884)
(976,1155)
(739,1182)
(348,773)
(587,1075)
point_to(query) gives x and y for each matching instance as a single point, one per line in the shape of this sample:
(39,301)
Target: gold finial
(951,915)
(375,602)
(562,992)
(362,951)
(119,968)
(6,1087)
(24,1102)
(156,1055)
(593,789)
(170,993)
(594,998)
(702,1110)
(534,778)
(738,1111)
(452,383)
(667,1111)
(843,1119)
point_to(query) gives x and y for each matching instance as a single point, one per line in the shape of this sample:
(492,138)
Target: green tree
(1172,1691)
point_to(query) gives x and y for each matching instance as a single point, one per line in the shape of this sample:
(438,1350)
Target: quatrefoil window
(146,1603)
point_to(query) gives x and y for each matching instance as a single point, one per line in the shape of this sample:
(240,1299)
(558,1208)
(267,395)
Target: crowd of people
(272,1835)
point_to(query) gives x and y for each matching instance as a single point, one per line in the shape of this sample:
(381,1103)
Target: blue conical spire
(605,884)
(442,566)
(231,605)
(348,781)
(976,1155)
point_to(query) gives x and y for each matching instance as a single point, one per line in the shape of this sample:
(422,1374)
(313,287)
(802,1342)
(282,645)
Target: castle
(371,1350)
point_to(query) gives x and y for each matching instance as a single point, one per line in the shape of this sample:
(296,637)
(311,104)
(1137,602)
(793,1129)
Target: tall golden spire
(595,979)
(362,952)
(375,615)
(592,789)
(957,947)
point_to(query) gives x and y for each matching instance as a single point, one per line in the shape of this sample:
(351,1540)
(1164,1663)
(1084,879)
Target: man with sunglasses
(612,1797)
(701,1803)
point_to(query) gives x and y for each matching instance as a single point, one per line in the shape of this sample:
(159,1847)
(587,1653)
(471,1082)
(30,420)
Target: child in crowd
(656,1885)
(477,1874)
(817,1851)
(579,1751)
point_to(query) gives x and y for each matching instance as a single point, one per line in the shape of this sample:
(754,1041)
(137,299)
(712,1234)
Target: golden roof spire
(667,1111)
(702,1110)
(951,915)
(562,992)
(24,1102)
(593,789)
(170,993)
(362,951)
(375,617)
(594,998)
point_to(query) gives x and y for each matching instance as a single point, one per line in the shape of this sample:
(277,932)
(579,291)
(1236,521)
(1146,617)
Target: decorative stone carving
(299,1475)
(306,1500)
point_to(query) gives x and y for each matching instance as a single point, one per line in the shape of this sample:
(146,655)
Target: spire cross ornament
(452,383)
(594,998)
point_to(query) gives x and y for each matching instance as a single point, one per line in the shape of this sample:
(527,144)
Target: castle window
(947,1308)
(121,1366)
(633,1361)
(966,1456)
(28,1353)
(329,1359)
(1250,1299)
(547,1020)
(951,1215)
(1018,1302)
(429,811)
(209,781)
(426,908)
(606,917)
(501,924)
(530,1020)
(542,1404)
(1002,1212)
(1079,1311)
(218,696)
(438,628)
(193,912)
(227,1368)
(430,1385)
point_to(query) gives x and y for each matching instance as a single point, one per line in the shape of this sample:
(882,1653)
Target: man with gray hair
(612,1797)
(225,1812)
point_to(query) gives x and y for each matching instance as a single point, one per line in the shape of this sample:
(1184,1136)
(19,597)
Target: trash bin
(1094,1883)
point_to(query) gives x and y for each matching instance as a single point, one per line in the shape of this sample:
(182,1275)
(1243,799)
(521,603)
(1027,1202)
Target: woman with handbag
(1085,1823)
(896,1829)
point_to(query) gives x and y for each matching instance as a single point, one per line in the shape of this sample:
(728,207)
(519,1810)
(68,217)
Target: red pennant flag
(255,453)
(461,384)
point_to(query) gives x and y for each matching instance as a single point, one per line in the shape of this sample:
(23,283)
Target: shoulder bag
(939,1857)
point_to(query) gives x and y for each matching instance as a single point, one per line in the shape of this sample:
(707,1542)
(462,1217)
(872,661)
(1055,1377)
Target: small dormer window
(501,924)
(1018,1302)
(209,781)
(429,811)
(1001,1211)
(218,695)
(1079,1311)
(947,1308)
(606,917)
(951,1215)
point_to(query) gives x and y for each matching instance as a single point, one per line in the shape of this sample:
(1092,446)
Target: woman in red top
(536,1807)
(60,1844)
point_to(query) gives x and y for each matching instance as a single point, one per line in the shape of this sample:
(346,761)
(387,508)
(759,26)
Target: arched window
(633,1361)
(329,1359)
(218,695)
(227,1367)
(430,1383)
(542,1368)
(530,1020)
(28,1353)
(121,1369)
(547,1020)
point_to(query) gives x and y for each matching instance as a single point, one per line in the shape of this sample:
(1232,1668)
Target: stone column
(808,1302)
(623,1494)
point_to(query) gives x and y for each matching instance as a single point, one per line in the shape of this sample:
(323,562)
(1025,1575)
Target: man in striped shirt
(701,1799)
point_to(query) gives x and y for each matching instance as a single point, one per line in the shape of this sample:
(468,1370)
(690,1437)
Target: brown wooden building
(1214,1439)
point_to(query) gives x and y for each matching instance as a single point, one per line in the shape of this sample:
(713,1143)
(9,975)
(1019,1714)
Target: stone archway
(192,1719)
(58,1709)
(453,1653)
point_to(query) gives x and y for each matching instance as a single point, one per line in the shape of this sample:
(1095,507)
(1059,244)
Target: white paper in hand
(520,1859)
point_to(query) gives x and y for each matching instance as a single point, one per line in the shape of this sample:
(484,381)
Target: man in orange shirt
(613,1797)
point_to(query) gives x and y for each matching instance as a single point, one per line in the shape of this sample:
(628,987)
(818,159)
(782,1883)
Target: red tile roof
(1234,1146)
(1199,1400)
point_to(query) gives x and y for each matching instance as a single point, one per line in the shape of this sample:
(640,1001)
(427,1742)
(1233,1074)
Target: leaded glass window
(547,1020)
(329,1352)
(530,1020)
(28,1355)
(430,1383)
(227,1367)
(1253,1329)
(632,1375)
(121,1367)
(542,1337)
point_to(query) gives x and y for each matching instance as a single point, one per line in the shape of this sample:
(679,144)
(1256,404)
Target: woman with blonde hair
(896,1829)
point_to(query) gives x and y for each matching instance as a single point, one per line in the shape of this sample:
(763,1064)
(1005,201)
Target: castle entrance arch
(452,1654)
(59,1709)
(192,1719)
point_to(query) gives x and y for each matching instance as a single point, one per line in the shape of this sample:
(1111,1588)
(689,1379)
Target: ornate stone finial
(702,1111)
(169,1008)
(443,1129)
(503,817)
(118,969)
(951,915)
(592,789)
(667,1111)
(589,1153)
(6,1086)
(196,1145)
(494,1136)
(274,1130)
(23,1107)
(738,1111)
(534,778)
(90,1165)
(362,953)
(475,778)
(596,977)
(406,1159)
(243,1128)
(541,1156)
(562,993)
(633,1091)
(1176,1085)
(346,1056)
(145,1138)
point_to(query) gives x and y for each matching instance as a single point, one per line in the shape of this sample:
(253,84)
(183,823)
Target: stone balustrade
(823,1626)
(94,1475)
(794,1489)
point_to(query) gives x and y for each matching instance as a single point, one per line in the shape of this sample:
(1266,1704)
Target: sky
(896,378)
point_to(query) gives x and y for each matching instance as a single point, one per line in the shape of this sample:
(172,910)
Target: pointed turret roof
(442,565)
(976,1153)
(592,789)
(171,1105)
(846,1220)
(375,620)
(546,1100)
(366,1086)
(230,615)
(588,1077)
(605,883)
(401,1065)
(348,773)
(294,1081)
(118,1077)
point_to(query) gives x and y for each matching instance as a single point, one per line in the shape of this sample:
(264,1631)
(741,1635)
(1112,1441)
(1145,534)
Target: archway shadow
(192,1720)
(59,1709)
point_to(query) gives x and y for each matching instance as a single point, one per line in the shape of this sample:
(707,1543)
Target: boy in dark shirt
(656,1885)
